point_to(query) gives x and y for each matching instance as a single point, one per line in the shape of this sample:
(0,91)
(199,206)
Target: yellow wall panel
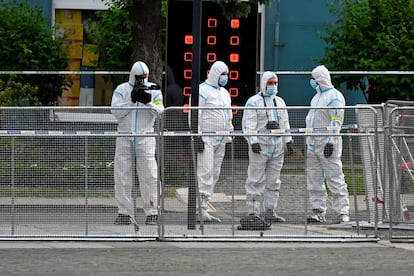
(89,57)
(70,31)
(68,16)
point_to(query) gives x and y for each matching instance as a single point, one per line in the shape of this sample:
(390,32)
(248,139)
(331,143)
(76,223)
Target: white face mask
(271,90)
(313,83)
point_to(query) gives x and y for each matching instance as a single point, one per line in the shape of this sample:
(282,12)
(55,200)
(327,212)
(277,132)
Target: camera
(139,93)
(272,125)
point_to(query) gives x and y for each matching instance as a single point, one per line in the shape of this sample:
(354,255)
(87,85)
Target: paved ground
(205,258)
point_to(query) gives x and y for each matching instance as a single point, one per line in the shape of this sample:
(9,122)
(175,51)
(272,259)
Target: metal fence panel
(56,173)
(375,173)
(229,199)
(400,160)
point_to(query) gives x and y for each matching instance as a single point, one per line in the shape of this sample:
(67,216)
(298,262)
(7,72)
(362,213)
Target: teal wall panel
(297,46)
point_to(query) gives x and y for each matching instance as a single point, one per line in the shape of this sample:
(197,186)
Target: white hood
(322,77)
(263,81)
(216,70)
(139,68)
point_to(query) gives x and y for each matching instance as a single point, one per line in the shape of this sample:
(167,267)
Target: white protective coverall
(263,174)
(140,148)
(318,167)
(209,161)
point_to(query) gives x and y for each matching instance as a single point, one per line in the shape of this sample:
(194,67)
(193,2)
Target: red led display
(220,40)
(234,92)
(211,40)
(188,74)
(187,91)
(235,23)
(234,111)
(211,57)
(212,22)
(234,57)
(188,39)
(234,75)
(234,40)
(188,56)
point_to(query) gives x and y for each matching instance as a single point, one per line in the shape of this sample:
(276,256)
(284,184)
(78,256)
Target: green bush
(374,36)
(27,43)
(14,93)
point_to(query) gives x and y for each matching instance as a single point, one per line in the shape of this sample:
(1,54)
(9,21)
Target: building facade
(287,40)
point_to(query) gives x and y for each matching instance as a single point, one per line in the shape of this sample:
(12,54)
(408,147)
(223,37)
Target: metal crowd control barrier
(376,180)
(400,134)
(56,173)
(228,201)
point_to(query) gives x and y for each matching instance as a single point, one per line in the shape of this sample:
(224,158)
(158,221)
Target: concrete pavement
(205,258)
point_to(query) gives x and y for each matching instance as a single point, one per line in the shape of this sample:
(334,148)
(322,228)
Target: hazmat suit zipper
(135,127)
(275,115)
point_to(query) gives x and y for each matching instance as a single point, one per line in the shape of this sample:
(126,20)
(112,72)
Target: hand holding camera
(139,94)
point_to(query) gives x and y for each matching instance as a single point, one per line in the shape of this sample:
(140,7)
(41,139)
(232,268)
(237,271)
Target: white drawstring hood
(139,68)
(263,81)
(322,77)
(216,70)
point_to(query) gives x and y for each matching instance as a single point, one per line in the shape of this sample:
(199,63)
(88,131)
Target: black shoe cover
(253,222)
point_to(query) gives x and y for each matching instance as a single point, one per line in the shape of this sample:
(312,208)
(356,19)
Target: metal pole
(354,186)
(86,189)
(306,197)
(161,164)
(13,187)
(277,35)
(195,81)
(232,188)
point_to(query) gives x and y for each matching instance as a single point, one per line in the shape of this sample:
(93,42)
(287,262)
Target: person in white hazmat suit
(266,153)
(137,92)
(323,160)
(211,149)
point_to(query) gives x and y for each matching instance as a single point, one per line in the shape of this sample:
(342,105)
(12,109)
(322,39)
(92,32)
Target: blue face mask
(271,90)
(223,80)
(313,83)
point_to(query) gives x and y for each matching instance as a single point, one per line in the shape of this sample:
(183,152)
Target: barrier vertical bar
(161,177)
(232,187)
(160,186)
(354,183)
(195,81)
(86,189)
(13,187)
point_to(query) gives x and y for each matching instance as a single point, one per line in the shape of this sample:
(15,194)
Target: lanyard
(267,115)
